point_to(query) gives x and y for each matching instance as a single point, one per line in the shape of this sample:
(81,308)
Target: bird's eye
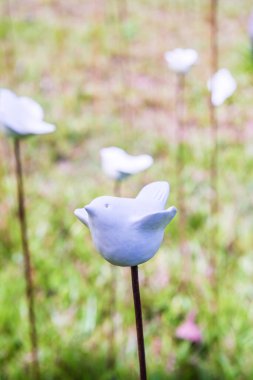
(107,205)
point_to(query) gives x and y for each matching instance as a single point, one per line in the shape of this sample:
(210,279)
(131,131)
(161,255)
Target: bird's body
(21,116)
(129,231)
(222,85)
(110,237)
(181,60)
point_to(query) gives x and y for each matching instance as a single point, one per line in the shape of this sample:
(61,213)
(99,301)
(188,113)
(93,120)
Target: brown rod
(214,201)
(9,44)
(113,301)
(124,63)
(122,9)
(27,261)
(112,333)
(212,108)
(180,132)
(138,320)
(117,188)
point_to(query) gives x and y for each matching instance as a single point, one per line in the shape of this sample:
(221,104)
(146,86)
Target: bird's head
(104,212)
(103,209)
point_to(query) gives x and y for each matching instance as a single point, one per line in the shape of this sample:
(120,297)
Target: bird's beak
(82,215)
(89,210)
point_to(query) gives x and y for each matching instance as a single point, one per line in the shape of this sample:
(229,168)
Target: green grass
(105,82)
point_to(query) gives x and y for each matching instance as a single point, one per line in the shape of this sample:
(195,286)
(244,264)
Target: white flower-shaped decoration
(222,85)
(22,116)
(129,231)
(181,60)
(117,164)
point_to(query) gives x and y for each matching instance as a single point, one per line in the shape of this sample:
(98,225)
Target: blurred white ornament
(22,116)
(222,85)
(181,60)
(117,164)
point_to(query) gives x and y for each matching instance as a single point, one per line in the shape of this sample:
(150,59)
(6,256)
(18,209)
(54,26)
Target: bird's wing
(82,215)
(155,220)
(134,164)
(32,108)
(155,191)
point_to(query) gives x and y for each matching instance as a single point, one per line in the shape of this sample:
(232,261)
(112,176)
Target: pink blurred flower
(189,330)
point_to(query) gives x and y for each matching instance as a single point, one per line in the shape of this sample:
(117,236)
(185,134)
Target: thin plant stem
(212,109)
(27,261)
(9,43)
(139,324)
(117,188)
(214,159)
(122,10)
(180,137)
(214,173)
(113,299)
(112,333)
(121,15)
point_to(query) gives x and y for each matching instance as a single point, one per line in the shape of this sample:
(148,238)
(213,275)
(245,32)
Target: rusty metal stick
(180,137)
(27,261)
(212,108)
(138,320)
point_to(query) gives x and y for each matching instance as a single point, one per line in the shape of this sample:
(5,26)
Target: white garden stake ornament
(222,85)
(21,117)
(118,164)
(128,232)
(181,61)
(214,64)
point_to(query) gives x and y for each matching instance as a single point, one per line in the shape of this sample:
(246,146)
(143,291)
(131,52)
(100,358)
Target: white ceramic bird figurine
(181,60)
(129,231)
(222,85)
(22,116)
(117,164)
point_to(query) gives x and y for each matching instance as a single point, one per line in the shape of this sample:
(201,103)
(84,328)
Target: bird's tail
(155,191)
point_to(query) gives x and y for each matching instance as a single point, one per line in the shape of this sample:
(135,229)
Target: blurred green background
(98,69)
